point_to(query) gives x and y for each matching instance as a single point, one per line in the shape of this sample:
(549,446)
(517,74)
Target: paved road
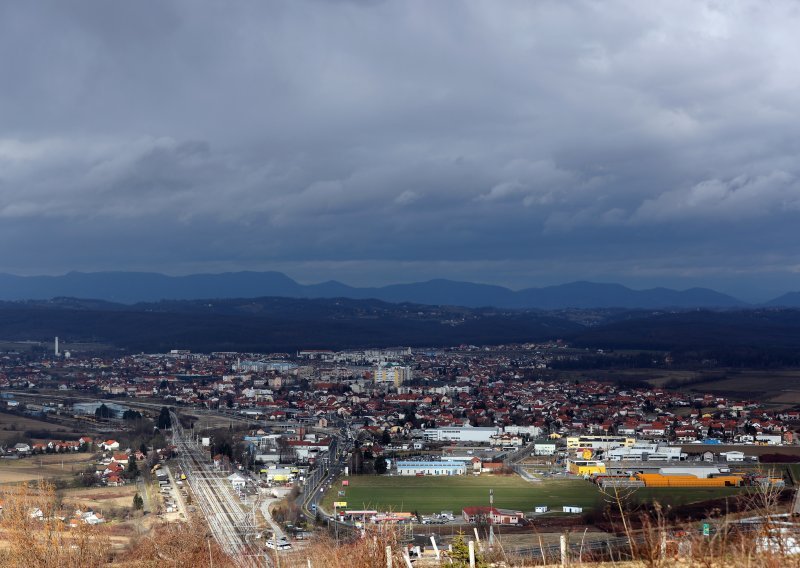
(523,473)
(275,527)
(796,503)
(177,492)
(144,491)
(514,459)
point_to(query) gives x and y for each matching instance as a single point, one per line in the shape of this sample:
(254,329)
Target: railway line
(232,527)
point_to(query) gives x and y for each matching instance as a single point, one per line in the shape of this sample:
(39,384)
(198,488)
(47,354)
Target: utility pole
(491,524)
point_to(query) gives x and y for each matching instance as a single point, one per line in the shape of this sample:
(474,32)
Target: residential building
(391,373)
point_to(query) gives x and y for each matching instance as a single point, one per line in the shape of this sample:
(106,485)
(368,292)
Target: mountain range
(133,287)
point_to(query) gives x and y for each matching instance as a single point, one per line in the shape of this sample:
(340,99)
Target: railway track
(232,527)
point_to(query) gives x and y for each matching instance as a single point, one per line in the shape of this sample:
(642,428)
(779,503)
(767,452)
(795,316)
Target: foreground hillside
(46,541)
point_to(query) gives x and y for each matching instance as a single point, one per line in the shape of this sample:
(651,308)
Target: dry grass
(46,543)
(44,467)
(100,497)
(177,545)
(658,544)
(12,425)
(367,552)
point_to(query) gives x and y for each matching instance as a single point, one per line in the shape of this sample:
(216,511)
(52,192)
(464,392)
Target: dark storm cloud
(513,142)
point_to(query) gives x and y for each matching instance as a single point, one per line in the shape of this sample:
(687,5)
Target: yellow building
(586,467)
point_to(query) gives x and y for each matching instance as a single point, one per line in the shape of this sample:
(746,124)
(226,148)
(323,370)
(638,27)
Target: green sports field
(432,494)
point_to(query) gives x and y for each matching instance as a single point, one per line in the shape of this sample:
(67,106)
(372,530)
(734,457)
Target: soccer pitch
(432,494)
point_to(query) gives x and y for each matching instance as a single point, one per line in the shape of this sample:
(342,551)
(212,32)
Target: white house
(237,481)
(506,441)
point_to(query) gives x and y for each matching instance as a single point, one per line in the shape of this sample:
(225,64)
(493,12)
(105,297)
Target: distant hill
(700,329)
(767,337)
(789,300)
(133,287)
(271,324)
(593,295)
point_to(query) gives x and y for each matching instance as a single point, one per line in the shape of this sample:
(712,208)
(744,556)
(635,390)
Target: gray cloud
(377,141)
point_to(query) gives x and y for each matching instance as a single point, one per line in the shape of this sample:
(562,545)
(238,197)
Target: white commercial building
(769,439)
(431,468)
(643,451)
(544,449)
(732,456)
(699,472)
(461,434)
(532,431)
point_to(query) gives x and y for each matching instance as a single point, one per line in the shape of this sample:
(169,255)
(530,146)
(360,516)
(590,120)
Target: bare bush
(178,545)
(38,533)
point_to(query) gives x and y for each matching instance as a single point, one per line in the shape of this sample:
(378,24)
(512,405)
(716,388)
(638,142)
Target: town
(409,393)
(468,436)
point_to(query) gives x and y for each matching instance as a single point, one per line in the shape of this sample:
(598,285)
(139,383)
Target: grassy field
(46,466)
(13,426)
(780,467)
(779,387)
(432,494)
(101,497)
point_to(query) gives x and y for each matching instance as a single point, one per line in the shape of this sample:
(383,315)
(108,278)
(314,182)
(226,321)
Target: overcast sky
(518,143)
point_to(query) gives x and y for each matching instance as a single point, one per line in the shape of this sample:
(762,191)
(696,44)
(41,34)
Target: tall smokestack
(56,350)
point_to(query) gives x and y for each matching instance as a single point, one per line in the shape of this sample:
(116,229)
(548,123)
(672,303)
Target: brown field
(19,346)
(780,387)
(12,425)
(748,450)
(74,347)
(655,377)
(46,466)
(659,377)
(101,497)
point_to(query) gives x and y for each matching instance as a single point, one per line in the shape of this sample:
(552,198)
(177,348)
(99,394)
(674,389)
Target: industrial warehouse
(611,461)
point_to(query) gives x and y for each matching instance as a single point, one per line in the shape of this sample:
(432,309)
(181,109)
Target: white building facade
(431,468)
(461,434)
